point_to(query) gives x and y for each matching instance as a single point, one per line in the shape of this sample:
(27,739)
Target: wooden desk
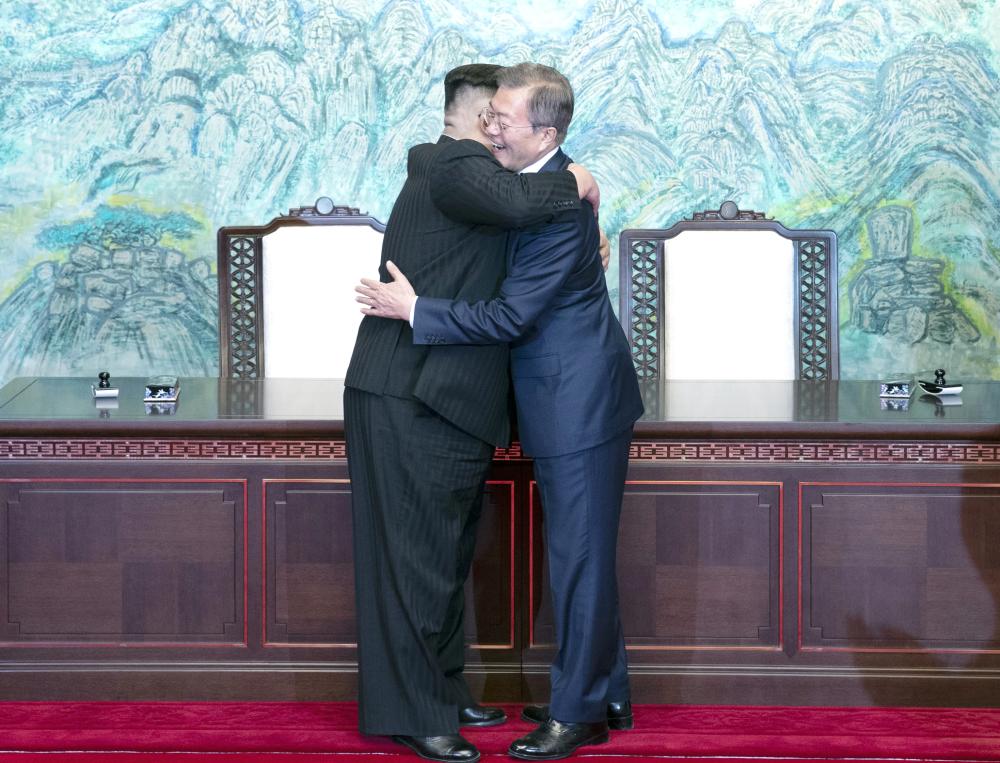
(782,542)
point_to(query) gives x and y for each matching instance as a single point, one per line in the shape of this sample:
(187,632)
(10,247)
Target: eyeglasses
(489,118)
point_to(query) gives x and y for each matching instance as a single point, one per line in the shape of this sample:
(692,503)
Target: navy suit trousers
(581,504)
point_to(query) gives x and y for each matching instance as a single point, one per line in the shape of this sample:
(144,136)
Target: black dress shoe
(448,749)
(555,739)
(477,715)
(619,715)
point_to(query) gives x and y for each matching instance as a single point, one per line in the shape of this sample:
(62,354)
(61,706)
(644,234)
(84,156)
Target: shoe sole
(621,723)
(403,742)
(599,739)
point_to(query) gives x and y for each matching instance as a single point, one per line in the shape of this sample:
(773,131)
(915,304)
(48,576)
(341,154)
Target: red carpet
(285,732)
(584,755)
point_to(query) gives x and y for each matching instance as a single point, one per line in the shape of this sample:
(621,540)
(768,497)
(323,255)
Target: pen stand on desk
(103,389)
(940,386)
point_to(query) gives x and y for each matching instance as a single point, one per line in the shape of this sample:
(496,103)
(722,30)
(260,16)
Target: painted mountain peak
(231,111)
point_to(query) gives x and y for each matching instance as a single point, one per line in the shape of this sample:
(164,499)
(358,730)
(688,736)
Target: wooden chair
(725,299)
(286,291)
(729,294)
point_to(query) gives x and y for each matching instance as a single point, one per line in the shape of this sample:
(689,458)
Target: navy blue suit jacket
(574,381)
(447,233)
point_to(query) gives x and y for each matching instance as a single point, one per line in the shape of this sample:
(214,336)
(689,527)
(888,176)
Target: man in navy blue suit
(577,399)
(421,424)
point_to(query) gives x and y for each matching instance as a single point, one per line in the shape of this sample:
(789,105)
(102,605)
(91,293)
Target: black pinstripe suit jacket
(447,234)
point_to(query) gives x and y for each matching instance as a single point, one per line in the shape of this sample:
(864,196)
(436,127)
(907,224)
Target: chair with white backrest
(730,295)
(286,292)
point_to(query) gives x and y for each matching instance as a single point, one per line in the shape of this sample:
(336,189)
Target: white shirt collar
(540,163)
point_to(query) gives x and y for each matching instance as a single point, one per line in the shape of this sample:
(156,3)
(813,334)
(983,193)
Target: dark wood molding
(852,568)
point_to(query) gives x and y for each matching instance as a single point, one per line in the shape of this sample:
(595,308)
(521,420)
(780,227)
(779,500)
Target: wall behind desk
(130,131)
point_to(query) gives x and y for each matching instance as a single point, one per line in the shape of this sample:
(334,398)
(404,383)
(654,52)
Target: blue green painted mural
(130,130)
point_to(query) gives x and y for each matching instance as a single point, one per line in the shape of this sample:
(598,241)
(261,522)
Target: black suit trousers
(417,484)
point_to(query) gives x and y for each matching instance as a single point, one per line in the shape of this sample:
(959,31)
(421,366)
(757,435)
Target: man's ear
(549,138)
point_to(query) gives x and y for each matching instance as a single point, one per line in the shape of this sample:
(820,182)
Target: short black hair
(469,76)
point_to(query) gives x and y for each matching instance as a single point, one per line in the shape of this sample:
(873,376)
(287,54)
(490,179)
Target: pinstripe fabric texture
(420,424)
(414,538)
(446,234)
(577,398)
(581,498)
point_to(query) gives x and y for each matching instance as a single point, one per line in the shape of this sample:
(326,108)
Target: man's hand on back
(605,249)
(387,300)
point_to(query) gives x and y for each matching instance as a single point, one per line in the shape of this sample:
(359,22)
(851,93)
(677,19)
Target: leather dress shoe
(451,748)
(555,739)
(478,715)
(619,715)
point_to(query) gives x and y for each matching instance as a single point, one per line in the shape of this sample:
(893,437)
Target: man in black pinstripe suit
(421,425)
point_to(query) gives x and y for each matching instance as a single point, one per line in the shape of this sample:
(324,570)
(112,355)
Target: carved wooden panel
(900,567)
(105,562)
(698,451)
(699,566)
(308,563)
(489,591)
(309,566)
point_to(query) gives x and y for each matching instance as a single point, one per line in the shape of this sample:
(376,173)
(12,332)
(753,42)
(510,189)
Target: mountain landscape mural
(130,131)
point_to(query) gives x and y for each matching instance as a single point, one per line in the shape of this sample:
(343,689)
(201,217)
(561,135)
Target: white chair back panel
(727,401)
(729,305)
(310,317)
(302,398)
